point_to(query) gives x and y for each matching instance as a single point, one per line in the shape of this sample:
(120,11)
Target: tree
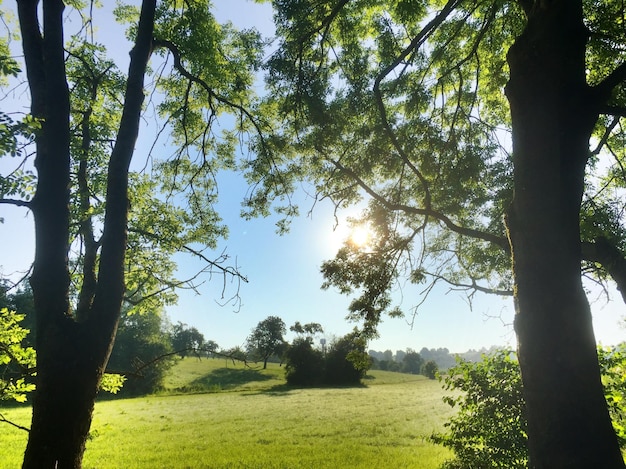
(304,365)
(430,369)
(83,126)
(186,340)
(487,138)
(142,352)
(267,338)
(346,361)
(412,363)
(308,329)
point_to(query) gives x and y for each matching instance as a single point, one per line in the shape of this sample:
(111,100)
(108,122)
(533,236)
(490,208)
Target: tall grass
(384,424)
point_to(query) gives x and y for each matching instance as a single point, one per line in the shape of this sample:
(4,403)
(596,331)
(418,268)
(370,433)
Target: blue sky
(283,272)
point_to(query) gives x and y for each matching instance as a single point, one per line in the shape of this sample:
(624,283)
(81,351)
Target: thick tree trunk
(72,355)
(71,360)
(553,116)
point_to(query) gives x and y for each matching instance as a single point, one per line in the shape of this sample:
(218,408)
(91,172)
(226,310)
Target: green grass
(260,423)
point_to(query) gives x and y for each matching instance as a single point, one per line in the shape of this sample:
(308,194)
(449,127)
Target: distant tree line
(426,361)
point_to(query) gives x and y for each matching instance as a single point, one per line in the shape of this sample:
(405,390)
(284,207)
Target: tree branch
(610,258)
(477,234)
(195,252)
(16,202)
(604,89)
(5,420)
(203,84)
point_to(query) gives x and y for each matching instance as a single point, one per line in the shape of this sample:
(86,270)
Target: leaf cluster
(17,362)
(489,429)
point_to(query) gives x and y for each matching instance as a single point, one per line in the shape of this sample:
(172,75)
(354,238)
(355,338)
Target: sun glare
(360,236)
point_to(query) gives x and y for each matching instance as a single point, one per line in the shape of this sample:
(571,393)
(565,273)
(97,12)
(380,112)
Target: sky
(283,272)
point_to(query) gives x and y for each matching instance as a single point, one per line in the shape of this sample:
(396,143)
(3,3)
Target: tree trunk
(72,355)
(553,116)
(71,360)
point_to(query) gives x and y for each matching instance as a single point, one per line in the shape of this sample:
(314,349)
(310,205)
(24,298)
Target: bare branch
(5,420)
(16,202)
(474,286)
(610,258)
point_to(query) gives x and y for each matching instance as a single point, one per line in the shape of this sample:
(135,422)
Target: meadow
(216,414)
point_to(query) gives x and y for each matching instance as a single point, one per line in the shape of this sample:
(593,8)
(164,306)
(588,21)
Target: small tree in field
(186,340)
(429,369)
(267,338)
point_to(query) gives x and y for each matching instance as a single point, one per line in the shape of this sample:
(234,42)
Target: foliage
(613,368)
(17,362)
(346,360)
(267,339)
(112,382)
(430,369)
(412,363)
(142,353)
(304,365)
(308,329)
(489,427)
(186,340)
(344,363)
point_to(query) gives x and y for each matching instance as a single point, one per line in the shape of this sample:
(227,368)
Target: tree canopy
(403,105)
(485,138)
(267,339)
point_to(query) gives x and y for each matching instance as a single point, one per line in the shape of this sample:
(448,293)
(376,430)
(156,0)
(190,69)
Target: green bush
(489,429)
(304,365)
(345,362)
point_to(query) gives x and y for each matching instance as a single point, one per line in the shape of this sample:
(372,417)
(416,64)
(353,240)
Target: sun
(360,235)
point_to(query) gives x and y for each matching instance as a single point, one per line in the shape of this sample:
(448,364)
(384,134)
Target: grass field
(255,421)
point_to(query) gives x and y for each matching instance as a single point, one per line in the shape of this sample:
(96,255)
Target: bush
(489,428)
(345,363)
(304,365)
(430,369)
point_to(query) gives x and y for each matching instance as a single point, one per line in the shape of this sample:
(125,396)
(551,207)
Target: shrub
(430,369)
(304,365)
(345,363)
(489,429)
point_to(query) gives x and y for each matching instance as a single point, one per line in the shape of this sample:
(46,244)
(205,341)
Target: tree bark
(553,114)
(72,355)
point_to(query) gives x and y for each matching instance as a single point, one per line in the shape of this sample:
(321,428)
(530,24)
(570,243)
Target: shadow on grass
(283,389)
(228,378)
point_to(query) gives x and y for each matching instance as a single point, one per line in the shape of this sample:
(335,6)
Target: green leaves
(16,361)
(613,368)
(489,428)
